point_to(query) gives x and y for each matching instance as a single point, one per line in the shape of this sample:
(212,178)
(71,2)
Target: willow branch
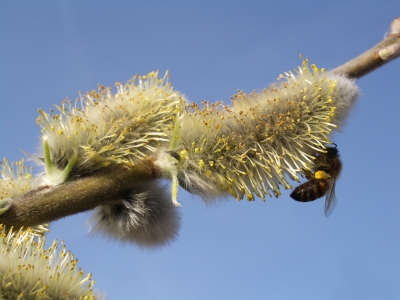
(47,204)
(384,52)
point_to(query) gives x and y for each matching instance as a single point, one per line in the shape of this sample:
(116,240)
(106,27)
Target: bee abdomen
(310,190)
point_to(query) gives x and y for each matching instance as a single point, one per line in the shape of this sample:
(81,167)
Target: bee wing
(330,202)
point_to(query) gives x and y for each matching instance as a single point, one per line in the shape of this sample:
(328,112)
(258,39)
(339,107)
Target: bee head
(332,152)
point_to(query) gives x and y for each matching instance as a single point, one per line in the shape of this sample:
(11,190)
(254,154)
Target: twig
(382,53)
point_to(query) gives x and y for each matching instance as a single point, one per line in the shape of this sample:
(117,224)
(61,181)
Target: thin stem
(47,159)
(382,53)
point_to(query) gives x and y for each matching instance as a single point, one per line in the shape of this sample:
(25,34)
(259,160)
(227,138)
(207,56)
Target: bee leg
(308,174)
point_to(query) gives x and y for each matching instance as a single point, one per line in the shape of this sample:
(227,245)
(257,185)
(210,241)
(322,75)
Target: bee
(322,180)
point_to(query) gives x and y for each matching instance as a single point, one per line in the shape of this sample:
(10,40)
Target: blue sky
(280,249)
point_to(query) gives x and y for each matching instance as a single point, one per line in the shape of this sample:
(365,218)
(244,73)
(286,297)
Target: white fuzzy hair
(144,216)
(345,97)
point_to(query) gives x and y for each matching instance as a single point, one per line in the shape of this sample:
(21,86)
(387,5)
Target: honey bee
(322,181)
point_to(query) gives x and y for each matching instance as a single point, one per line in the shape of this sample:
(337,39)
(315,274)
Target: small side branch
(382,53)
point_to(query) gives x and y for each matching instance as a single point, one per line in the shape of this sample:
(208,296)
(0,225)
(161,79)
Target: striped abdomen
(310,190)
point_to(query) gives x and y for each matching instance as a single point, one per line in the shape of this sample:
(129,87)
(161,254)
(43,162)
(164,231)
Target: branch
(47,204)
(382,53)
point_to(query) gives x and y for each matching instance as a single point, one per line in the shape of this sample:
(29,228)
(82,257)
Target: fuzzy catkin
(16,179)
(251,147)
(28,271)
(145,216)
(106,128)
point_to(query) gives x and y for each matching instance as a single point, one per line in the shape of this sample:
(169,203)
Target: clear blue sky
(280,249)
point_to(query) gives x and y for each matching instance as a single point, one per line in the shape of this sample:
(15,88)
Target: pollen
(321,175)
(201,164)
(184,155)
